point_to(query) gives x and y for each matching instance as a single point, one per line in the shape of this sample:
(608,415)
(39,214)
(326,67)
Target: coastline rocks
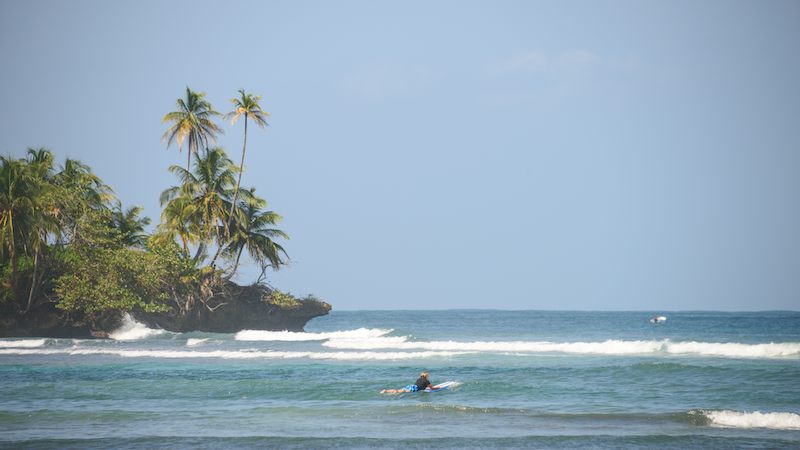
(47,321)
(236,316)
(243,312)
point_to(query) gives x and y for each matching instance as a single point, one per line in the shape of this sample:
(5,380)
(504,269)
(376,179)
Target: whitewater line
(244,354)
(609,347)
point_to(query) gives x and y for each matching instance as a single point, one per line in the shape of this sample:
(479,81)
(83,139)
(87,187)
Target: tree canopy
(65,238)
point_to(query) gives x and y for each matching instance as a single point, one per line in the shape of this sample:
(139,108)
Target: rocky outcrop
(247,311)
(236,316)
(47,321)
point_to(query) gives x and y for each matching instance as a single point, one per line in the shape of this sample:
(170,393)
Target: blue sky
(435,155)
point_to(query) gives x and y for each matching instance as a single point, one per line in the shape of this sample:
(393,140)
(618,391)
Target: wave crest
(230,354)
(261,335)
(737,419)
(609,347)
(131,330)
(23,343)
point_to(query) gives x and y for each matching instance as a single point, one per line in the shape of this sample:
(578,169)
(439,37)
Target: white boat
(658,319)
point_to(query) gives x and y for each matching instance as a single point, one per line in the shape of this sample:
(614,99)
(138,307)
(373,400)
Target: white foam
(757,419)
(132,329)
(222,354)
(609,347)
(195,342)
(260,335)
(27,343)
(736,350)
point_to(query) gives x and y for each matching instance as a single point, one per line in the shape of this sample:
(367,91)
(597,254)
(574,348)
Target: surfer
(421,384)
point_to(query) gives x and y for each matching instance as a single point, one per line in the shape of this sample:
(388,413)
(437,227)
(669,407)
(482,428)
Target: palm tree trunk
(241,169)
(235,192)
(14,264)
(235,265)
(33,281)
(214,260)
(200,249)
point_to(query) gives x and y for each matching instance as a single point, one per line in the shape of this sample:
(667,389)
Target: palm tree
(24,221)
(208,189)
(36,239)
(19,199)
(41,163)
(40,167)
(246,106)
(79,194)
(79,178)
(252,231)
(192,123)
(130,226)
(177,224)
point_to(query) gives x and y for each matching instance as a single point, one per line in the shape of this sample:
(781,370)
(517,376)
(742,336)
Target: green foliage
(197,209)
(130,226)
(289,301)
(192,123)
(112,280)
(284,301)
(63,232)
(252,230)
(311,299)
(100,274)
(59,235)
(249,107)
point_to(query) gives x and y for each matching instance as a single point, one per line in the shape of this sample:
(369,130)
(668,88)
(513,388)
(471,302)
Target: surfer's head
(424,375)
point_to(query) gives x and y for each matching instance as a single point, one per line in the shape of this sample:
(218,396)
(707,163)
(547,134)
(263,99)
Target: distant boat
(658,319)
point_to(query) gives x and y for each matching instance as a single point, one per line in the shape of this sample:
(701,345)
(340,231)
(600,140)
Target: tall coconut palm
(19,199)
(36,240)
(209,190)
(24,222)
(192,123)
(246,106)
(40,167)
(252,231)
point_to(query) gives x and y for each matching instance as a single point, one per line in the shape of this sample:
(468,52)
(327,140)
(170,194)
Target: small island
(75,263)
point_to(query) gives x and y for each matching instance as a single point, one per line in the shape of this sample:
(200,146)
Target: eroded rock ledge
(236,316)
(243,312)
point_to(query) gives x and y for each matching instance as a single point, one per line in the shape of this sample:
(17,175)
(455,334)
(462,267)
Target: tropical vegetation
(65,239)
(192,122)
(246,106)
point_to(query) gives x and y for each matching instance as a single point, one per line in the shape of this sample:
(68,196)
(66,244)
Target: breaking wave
(131,330)
(737,419)
(351,335)
(23,343)
(377,344)
(223,354)
(609,347)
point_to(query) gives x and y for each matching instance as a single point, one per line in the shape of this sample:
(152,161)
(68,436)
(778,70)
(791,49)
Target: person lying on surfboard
(421,384)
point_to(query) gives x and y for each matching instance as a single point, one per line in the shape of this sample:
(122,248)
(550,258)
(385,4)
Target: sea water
(524,379)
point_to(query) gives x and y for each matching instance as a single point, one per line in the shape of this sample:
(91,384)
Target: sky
(570,155)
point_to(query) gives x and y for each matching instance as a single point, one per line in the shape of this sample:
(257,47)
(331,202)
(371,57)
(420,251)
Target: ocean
(524,379)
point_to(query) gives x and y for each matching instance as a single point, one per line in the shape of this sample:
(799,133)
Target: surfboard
(439,387)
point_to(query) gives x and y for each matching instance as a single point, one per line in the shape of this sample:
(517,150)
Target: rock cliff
(243,312)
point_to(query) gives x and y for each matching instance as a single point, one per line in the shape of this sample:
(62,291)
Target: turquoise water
(524,379)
